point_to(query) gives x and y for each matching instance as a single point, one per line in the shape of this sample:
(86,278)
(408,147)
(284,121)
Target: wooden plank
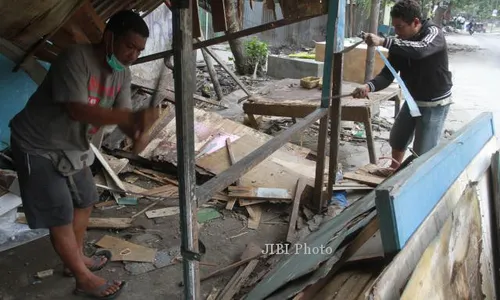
(396,275)
(372,249)
(399,202)
(301,185)
(226,68)
(243,202)
(255,213)
(239,281)
(280,170)
(225,178)
(218,15)
(354,286)
(311,291)
(94,223)
(114,223)
(332,288)
(106,167)
(126,251)
(368,179)
(252,251)
(133,188)
(232,160)
(165,191)
(163,212)
(318,199)
(452,258)
(259,193)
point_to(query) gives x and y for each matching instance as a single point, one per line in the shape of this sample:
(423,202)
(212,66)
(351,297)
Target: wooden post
(370,53)
(335,126)
(334,43)
(184,78)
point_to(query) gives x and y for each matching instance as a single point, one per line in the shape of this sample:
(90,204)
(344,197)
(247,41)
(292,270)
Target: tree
(234,20)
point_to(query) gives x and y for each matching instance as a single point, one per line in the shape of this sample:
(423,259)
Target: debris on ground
(44,274)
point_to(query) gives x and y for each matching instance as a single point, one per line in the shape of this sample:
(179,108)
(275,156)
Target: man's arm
(433,41)
(380,82)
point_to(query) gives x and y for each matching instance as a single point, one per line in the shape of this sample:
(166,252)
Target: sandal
(96,293)
(96,262)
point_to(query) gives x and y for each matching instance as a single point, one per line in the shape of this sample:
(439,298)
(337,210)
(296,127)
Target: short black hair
(406,10)
(127,20)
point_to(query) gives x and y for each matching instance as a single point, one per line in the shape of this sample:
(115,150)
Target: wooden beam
(336,117)
(185,79)
(227,37)
(224,179)
(211,71)
(301,185)
(366,233)
(232,160)
(319,181)
(225,67)
(218,15)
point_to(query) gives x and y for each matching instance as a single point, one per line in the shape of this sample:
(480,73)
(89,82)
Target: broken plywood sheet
(364,176)
(126,251)
(280,170)
(453,257)
(207,126)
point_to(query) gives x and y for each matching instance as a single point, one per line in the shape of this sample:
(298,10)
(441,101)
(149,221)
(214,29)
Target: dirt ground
(225,237)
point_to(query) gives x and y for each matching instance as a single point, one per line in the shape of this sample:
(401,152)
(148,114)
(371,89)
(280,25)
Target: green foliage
(255,51)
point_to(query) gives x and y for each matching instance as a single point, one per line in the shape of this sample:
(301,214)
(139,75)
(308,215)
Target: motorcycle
(471,31)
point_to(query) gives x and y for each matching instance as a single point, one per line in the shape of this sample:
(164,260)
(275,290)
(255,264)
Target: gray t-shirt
(78,75)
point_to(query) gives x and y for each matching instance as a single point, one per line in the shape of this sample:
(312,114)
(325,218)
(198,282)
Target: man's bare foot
(94,263)
(97,286)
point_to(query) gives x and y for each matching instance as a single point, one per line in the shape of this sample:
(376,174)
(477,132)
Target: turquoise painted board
(404,200)
(15,90)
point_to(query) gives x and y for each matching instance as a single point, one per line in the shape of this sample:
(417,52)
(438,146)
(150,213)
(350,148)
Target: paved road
(476,77)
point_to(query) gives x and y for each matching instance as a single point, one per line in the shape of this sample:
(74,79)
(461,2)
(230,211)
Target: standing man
(419,53)
(86,87)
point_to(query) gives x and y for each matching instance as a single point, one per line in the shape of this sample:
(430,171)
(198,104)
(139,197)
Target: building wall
(160,39)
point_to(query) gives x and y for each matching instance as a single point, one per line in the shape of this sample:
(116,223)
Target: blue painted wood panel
(15,90)
(404,200)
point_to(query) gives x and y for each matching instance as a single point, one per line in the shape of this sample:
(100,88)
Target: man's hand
(142,120)
(361,92)
(373,40)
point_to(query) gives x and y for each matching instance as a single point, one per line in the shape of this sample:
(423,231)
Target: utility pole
(370,52)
